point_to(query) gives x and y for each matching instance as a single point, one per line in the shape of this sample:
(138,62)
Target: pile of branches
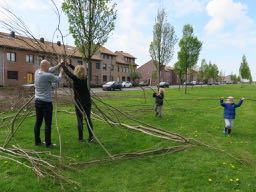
(33,160)
(45,164)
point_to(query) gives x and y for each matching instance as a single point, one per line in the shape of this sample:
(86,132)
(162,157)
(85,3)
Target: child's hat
(230,99)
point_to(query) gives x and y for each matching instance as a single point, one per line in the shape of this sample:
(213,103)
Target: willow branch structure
(46,164)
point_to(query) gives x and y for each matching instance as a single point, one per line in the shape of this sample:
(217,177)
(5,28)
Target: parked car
(28,86)
(126,84)
(188,83)
(193,82)
(142,83)
(164,84)
(111,86)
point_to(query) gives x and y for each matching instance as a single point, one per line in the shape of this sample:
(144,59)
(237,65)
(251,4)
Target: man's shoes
(39,144)
(91,139)
(80,140)
(52,145)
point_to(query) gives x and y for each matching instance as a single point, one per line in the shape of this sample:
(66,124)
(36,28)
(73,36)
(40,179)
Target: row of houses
(20,57)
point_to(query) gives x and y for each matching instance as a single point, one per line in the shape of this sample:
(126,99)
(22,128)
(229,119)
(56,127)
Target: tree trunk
(186,78)
(89,73)
(159,73)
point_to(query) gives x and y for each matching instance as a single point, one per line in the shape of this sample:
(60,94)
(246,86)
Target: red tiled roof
(106,51)
(152,63)
(125,54)
(120,58)
(30,44)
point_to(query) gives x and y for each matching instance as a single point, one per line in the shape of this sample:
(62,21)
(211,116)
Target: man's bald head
(44,65)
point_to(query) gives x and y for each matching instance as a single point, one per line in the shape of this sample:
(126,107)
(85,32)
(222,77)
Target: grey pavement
(99,90)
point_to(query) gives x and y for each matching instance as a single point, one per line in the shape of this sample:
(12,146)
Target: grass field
(196,115)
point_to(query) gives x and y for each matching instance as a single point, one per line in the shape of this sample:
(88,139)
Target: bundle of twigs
(33,160)
(132,155)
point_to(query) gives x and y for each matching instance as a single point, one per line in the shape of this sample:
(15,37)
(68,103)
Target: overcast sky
(227,28)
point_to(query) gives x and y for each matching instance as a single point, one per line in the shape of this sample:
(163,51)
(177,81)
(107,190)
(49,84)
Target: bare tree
(164,39)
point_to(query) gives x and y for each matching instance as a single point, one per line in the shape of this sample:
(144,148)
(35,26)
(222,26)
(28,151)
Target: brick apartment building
(125,62)
(148,74)
(21,56)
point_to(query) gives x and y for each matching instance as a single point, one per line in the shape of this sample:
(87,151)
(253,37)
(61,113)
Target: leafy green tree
(221,76)
(164,39)
(90,23)
(244,70)
(180,72)
(202,71)
(212,72)
(190,48)
(134,75)
(234,78)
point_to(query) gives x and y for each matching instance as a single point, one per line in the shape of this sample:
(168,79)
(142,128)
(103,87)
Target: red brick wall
(148,74)
(19,65)
(24,68)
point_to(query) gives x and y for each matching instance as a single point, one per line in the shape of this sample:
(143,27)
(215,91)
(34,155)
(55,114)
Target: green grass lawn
(196,169)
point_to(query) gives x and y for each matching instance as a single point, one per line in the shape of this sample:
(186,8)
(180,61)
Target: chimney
(12,34)
(58,43)
(42,40)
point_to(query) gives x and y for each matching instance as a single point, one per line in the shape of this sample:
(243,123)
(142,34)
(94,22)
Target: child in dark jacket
(159,102)
(229,112)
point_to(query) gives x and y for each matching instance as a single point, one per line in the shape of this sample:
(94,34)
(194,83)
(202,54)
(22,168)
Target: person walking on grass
(159,101)
(43,100)
(229,112)
(82,99)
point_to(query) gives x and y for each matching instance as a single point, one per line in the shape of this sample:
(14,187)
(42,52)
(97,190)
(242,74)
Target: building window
(128,79)
(98,65)
(11,56)
(12,75)
(123,78)
(118,68)
(105,78)
(112,67)
(80,62)
(105,56)
(30,59)
(128,60)
(104,66)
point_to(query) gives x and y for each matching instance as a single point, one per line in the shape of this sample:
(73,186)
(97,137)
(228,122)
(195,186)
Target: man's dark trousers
(43,111)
